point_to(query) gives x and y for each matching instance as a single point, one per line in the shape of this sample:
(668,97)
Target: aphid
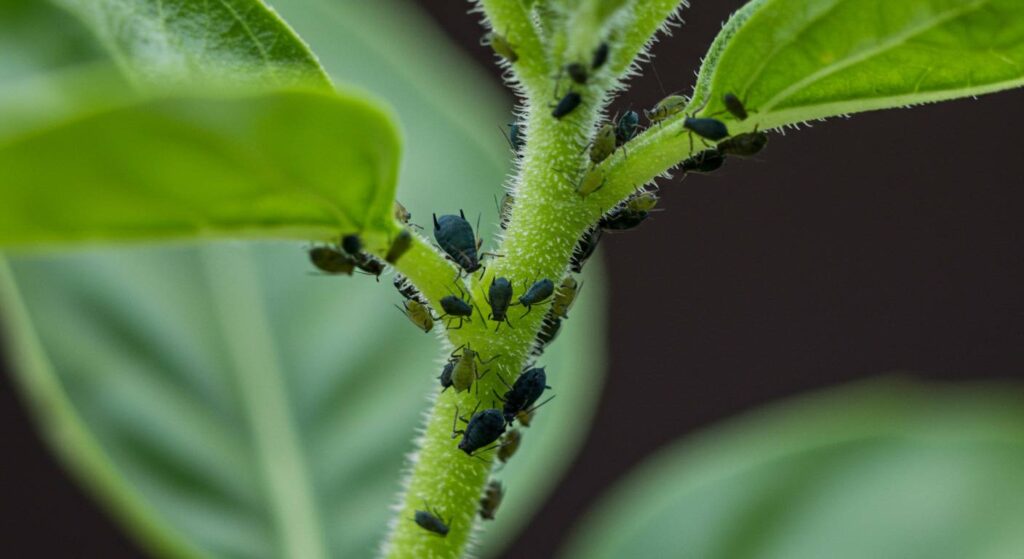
(491,500)
(631,213)
(567,104)
(505,209)
(525,417)
(405,287)
(402,214)
(446,375)
(482,429)
(401,245)
(515,138)
(431,521)
(707,128)
(536,294)
(547,334)
(565,295)
(667,107)
(704,162)
(577,71)
(744,145)
(418,313)
(331,261)
(370,265)
(590,183)
(501,47)
(735,106)
(455,236)
(525,391)
(585,248)
(643,201)
(454,306)
(509,445)
(465,370)
(604,144)
(499,296)
(352,244)
(626,127)
(600,56)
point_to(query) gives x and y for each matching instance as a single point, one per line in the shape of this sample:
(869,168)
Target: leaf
(793,60)
(226,42)
(292,164)
(877,470)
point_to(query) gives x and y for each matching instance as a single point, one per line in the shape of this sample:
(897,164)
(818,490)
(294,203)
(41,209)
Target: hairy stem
(547,221)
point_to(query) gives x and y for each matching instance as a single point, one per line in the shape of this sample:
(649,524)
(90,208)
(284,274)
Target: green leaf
(793,60)
(222,42)
(294,164)
(877,470)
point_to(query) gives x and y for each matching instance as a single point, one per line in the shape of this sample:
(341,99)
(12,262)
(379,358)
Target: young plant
(247,138)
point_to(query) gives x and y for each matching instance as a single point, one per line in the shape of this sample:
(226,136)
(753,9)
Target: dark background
(888,242)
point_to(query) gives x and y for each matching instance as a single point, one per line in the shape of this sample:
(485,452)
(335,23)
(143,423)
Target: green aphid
(590,183)
(667,107)
(565,295)
(419,314)
(604,144)
(501,46)
(642,201)
(466,370)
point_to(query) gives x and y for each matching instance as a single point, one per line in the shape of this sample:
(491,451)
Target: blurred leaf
(880,470)
(455,155)
(143,396)
(794,60)
(229,42)
(227,403)
(295,164)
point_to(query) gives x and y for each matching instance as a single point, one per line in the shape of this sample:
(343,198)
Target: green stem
(547,220)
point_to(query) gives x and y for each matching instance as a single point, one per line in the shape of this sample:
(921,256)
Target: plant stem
(548,218)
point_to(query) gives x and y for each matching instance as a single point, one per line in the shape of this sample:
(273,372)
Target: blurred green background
(133,358)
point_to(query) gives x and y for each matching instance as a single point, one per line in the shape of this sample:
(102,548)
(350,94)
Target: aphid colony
(492,428)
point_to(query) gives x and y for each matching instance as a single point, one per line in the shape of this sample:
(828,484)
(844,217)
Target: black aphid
(331,261)
(704,162)
(600,56)
(735,106)
(446,374)
(525,392)
(499,297)
(455,236)
(627,127)
(567,104)
(577,71)
(707,128)
(352,244)
(401,245)
(744,145)
(537,293)
(456,307)
(431,521)
(482,429)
